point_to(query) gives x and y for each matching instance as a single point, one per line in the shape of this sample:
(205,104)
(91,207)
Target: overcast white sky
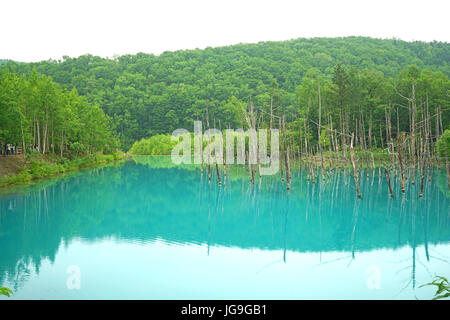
(40,30)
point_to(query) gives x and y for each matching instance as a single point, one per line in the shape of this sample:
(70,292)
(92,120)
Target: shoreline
(24,177)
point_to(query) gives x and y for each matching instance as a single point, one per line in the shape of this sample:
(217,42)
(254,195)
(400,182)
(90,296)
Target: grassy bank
(16,171)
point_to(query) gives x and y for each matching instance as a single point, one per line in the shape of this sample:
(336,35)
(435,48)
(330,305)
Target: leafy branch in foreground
(443,287)
(5,292)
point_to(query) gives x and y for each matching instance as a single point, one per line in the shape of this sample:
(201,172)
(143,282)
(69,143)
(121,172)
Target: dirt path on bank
(10,164)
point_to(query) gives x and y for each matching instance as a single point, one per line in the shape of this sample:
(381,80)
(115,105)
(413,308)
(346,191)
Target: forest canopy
(36,114)
(146,95)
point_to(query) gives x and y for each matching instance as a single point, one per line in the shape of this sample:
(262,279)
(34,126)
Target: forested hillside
(36,114)
(147,95)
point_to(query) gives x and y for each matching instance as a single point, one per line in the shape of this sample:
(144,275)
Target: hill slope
(147,94)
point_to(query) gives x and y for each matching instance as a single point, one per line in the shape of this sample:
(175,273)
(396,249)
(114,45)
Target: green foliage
(440,144)
(22,177)
(145,95)
(324,138)
(77,148)
(37,111)
(341,85)
(5,292)
(40,167)
(443,287)
(155,145)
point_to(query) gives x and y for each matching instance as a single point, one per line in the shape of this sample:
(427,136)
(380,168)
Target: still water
(146,229)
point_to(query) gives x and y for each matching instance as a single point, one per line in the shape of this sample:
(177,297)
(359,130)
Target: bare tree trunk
(62,143)
(209,149)
(355,170)
(53,139)
(389,181)
(286,158)
(319,130)
(402,179)
(438,156)
(413,132)
(331,142)
(23,141)
(44,140)
(38,136)
(215,158)
(422,166)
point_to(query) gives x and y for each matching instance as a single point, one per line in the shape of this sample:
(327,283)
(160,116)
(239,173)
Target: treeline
(37,114)
(351,97)
(160,144)
(147,95)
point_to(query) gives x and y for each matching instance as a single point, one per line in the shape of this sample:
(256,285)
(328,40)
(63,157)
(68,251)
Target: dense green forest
(57,130)
(146,95)
(36,114)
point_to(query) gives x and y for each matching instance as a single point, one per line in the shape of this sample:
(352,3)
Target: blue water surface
(148,229)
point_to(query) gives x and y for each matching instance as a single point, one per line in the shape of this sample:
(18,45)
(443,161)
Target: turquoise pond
(147,229)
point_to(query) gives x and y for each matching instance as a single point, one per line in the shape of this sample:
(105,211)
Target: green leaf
(442,296)
(442,285)
(5,292)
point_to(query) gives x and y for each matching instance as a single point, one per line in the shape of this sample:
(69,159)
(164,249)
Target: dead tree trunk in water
(223,158)
(250,170)
(215,157)
(427,141)
(281,162)
(319,137)
(209,149)
(386,170)
(201,149)
(388,180)
(390,142)
(286,158)
(399,149)
(364,145)
(413,132)
(330,144)
(422,166)
(288,170)
(438,156)
(355,170)
(422,152)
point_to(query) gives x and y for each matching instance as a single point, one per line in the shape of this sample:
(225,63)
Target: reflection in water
(149,200)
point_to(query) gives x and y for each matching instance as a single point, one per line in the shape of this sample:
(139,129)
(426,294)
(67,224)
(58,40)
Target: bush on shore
(38,167)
